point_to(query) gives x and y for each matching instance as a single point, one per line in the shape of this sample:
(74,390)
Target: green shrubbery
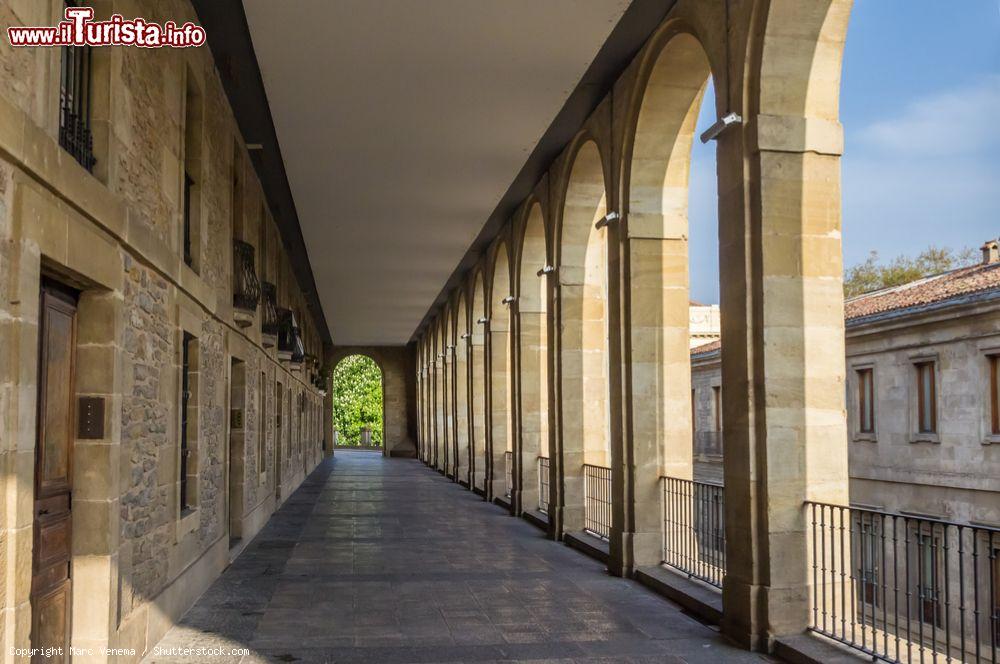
(357,400)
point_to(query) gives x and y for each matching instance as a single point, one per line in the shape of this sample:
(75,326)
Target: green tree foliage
(873,274)
(357,399)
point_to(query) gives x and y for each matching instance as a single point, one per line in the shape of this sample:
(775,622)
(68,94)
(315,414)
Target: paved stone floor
(383,560)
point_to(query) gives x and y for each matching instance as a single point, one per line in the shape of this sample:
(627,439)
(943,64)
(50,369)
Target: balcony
(269,322)
(246,288)
(290,348)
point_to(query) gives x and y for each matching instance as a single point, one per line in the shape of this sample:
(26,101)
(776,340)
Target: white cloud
(953,122)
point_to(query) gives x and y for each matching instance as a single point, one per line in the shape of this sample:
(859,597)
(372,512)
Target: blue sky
(920,105)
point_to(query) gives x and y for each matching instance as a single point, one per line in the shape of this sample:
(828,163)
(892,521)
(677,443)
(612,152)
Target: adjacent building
(923,409)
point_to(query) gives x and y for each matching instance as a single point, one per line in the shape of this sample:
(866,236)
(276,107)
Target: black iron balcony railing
(903,588)
(508,459)
(269,309)
(543,484)
(246,288)
(597,500)
(694,529)
(75,135)
(289,337)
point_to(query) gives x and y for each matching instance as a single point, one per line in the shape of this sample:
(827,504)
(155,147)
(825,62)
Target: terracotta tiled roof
(922,292)
(937,289)
(707,348)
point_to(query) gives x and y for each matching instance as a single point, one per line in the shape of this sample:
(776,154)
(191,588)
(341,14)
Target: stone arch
(462,345)
(533,334)
(670,86)
(500,309)
(338,359)
(395,363)
(583,330)
(477,359)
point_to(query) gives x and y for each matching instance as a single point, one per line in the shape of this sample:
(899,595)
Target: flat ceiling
(402,123)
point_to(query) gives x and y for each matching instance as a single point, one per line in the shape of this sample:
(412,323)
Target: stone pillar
(782,367)
(446,414)
(567,491)
(478,396)
(462,410)
(453,408)
(438,454)
(532,408)
(658,401)
(500,406)
(420,411)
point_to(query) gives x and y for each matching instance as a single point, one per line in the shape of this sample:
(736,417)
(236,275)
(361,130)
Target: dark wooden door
(50,582)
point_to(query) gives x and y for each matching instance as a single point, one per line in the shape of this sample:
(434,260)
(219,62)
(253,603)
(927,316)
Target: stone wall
(115,236)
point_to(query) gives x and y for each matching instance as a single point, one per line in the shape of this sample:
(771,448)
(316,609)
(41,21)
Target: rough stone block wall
(115,235)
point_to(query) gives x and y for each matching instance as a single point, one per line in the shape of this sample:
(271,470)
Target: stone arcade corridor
(383,560)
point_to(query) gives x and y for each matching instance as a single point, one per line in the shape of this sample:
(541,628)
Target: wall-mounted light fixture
(466,335)
(507,300)
(721,125)
(548,269)
(606,219)
(482,321)
(451,348)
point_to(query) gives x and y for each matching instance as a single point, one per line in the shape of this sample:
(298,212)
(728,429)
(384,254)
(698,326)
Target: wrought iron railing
(543,484)
(694,529)
(289,337)
(508,460)
(269,321)
(597,500)
(904,588)
(246,288)
(75,135)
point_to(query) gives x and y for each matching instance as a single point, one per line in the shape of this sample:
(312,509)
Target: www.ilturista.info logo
(80,29)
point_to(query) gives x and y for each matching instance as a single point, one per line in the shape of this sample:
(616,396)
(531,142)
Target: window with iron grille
(191,193)
(926,398)
(866,400)
(189,422)
(74,103)
(246,288)
(928,588)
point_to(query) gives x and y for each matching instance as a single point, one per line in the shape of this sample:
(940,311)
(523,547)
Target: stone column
(478,396)
(532,408)
(658,390)
(500,407)
(782,366)
(446,411)
(437,455)
(566,463)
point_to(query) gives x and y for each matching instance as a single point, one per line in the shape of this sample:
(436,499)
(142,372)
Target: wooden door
(50,582)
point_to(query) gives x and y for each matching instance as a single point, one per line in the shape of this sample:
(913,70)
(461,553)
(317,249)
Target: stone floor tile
(384,561)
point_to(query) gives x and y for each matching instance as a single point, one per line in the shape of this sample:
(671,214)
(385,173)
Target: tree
(357,399)
(873,275)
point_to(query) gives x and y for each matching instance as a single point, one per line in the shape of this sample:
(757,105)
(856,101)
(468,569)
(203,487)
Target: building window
(717,406)
(191,194)
(927,578)
(262,425)
(994,394)
(868,562)
(926,398)
(75,135)
(188,473)
(866,400)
